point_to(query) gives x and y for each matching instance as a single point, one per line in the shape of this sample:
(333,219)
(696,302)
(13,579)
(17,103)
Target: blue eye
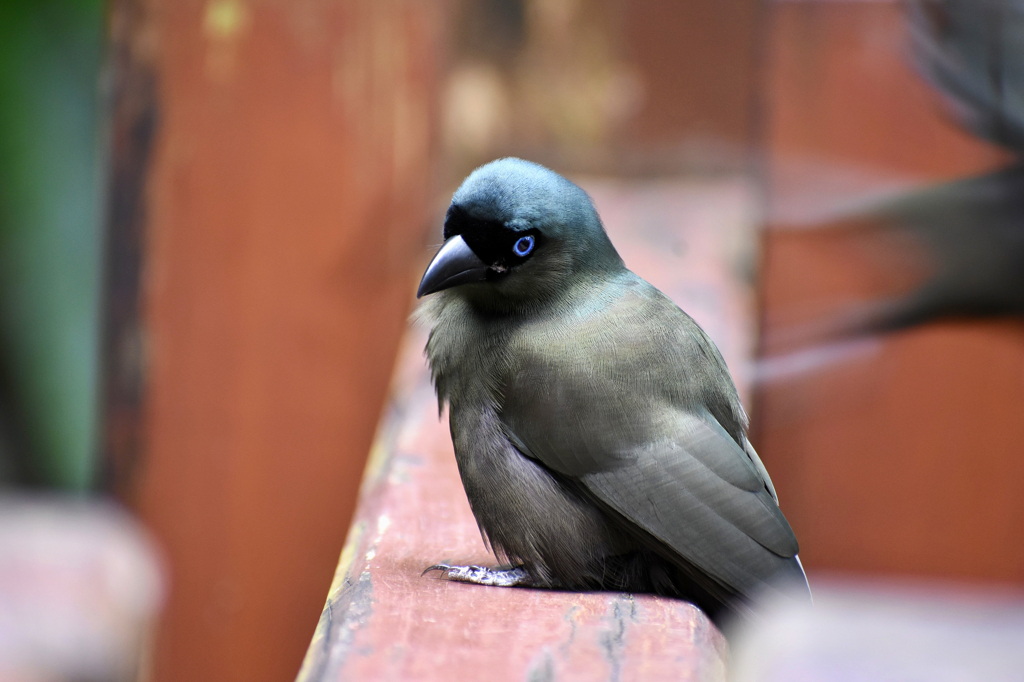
(523,246)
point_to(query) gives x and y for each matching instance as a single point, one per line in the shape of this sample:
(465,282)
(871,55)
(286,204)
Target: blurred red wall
(907,460)
(286,205)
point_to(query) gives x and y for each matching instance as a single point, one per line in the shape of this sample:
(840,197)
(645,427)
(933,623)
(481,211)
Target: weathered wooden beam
(271,170)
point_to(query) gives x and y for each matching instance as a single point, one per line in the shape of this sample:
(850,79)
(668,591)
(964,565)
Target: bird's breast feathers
(619,348)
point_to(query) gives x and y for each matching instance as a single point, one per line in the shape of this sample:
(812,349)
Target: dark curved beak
(454,264)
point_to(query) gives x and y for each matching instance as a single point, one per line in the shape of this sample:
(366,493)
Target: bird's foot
(516,576)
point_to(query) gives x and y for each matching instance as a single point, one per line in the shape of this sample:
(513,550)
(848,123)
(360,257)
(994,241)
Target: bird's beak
(454,264)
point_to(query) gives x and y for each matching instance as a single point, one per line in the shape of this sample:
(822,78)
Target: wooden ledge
(383,620)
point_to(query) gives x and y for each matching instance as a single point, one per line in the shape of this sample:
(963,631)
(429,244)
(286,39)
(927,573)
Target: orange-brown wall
(286,207)
(697,61)
(908,459)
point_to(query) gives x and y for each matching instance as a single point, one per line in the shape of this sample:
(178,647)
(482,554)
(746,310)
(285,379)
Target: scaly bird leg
(516,576)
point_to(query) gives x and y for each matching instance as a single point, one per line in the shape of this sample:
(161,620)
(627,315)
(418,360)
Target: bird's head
(518,233)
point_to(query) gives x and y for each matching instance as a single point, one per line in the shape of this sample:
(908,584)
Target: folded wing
(615,407)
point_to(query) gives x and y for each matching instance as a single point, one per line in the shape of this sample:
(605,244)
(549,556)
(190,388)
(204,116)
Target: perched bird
(967,236)
(598,433)
(969,233)
(972,52)
(972,229)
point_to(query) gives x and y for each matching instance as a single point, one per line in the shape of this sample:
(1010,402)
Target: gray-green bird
(598,433)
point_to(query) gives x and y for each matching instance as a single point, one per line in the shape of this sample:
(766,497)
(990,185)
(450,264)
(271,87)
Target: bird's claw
(436,567)
(516,576)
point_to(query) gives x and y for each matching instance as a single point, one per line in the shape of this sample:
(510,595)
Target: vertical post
(271,168)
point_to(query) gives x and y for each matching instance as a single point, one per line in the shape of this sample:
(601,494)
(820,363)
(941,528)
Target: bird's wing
(761,471)
(614,397)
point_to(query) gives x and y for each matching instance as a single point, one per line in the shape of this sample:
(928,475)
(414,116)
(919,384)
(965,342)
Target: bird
(971,230)
(970,51)
(597,431)
(966,235)
(968,232)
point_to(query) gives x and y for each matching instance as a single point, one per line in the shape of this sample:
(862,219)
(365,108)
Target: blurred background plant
(50,241)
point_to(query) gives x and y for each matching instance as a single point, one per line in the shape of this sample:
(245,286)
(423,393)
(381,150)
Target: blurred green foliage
(50,240)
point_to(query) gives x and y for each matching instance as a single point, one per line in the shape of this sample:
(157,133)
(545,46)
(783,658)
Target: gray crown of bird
(597,431)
